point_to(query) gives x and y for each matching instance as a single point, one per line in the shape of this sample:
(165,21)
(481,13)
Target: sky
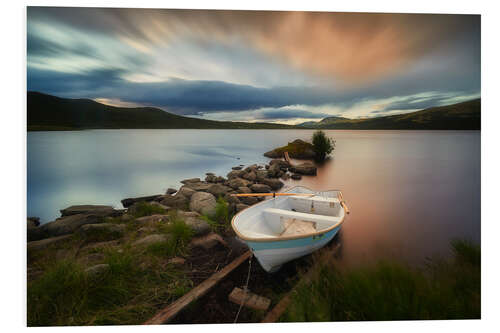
(267,66)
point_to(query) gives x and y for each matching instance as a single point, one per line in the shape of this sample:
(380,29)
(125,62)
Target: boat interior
(291,216)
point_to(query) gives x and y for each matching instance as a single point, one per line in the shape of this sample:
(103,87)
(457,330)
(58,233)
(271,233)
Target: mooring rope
(245,288)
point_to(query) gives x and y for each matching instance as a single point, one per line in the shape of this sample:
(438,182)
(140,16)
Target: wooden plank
(278,310)
(173,309)
(249,300)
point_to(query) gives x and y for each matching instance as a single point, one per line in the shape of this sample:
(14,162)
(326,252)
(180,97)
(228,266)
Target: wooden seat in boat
(297,227)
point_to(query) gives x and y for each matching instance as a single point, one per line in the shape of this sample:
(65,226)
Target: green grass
(180,234)
(221,221)
(129,293)
(388,290)
(146,209)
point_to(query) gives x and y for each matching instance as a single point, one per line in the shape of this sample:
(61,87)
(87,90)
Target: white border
(13,20)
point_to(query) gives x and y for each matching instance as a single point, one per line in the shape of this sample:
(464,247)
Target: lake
(410,192)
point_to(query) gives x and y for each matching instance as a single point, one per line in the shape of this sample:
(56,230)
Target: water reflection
(409,192)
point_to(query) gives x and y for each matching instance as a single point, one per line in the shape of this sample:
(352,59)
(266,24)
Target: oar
(342,202)
(270,194)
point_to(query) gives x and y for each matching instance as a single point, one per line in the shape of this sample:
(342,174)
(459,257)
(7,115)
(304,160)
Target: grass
(146,209)
(129,293)
(221,220)
(180,235)
(443,289)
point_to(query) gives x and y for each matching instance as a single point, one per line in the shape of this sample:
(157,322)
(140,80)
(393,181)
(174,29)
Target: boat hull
(271,255)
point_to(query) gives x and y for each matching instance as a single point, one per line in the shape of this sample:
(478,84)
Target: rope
(245,288)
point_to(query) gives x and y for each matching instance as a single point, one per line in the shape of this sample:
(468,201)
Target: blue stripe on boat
(256,246)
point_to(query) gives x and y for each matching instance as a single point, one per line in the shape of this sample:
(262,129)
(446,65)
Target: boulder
(102,245)
(282,163)
(159,205)
(191,180)
(186,191)
(88,209)
(34,232)
(101,231)
(306,168)
(251,176)
(183,214)
(243,189)
(44,243)
(260,188)
(152,239)
(203,203)
(198,186)
(235,174)
(126,217)
(199,226)
(274,183)
(231,199)
(285,176)
(177,261)
(260,175)
(251,168)
(68,224)
(296,176)
(220,179)
(274,171)
(249,200)
(171,190)
(211,178)
(208,242)
(239,167)
(238,182)
(137,206)
(97,270)
(175,201)
(130,201)
(240,207)
(218,189)
(298,149)
(157,218)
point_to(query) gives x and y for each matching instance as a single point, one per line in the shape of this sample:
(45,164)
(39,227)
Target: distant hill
(460,116)
(46,112)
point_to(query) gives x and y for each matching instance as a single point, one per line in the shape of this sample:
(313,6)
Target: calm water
(410,192)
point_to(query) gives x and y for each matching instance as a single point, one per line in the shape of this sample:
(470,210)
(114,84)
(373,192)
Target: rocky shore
(148,228)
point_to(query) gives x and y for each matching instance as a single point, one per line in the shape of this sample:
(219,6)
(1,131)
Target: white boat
(290,225)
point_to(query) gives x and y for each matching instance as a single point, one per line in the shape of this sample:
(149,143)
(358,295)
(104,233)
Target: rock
(159,205)
(88,209)
(178,261)
(243,189)
(249,200)
(203,203)
(68,224)
(239,167)
(282,163)
(145,231)
(208,242)
(34,232)
(231,199)
(296,176)
(130,201)
(275,184)
(186,191)
(101,231)
(218,189)
(33,221)
(298,149)
(97,270)
(127,217)
(210,178)
(137,206)
(175,201)
(102,245)
(285,176)
(191,180)
(157,218)
(235,174)
(251,176)
(274,170)
(220,179)
(238,182)
(171,190)
(306,168)
(251,168)
(209,174)
(183,214)
(44,243)
(260,188)
(266,166)
(199,226)
(260,175)
(240,207)
(199,186)
(152,239)
(92,258)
